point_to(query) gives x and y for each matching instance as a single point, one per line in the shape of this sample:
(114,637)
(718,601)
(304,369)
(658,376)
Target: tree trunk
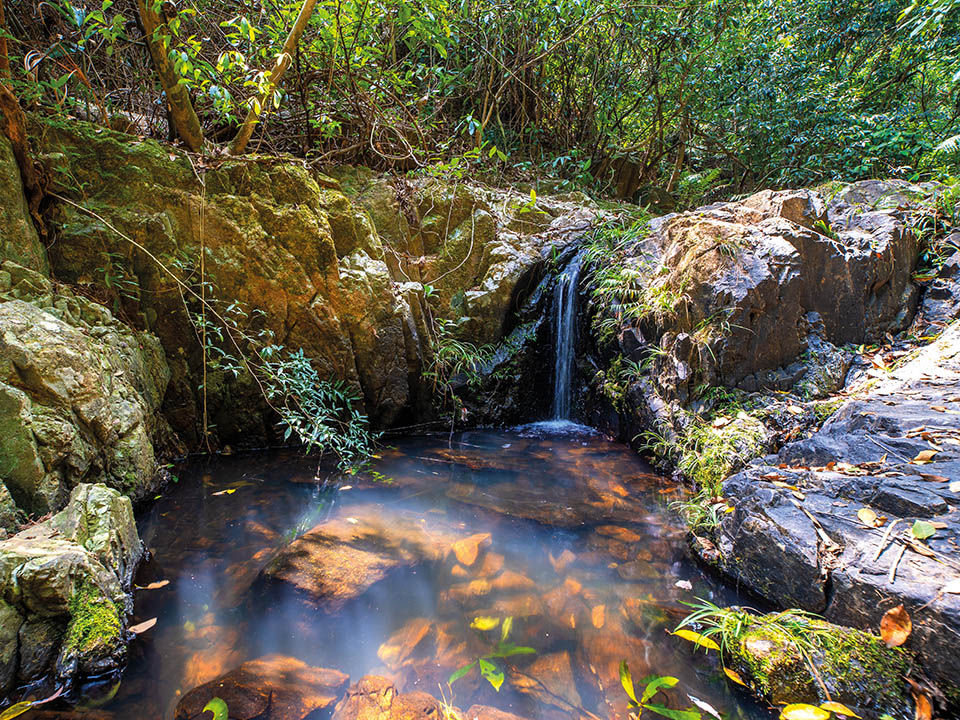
(13,124)
(239,143)
(178,99)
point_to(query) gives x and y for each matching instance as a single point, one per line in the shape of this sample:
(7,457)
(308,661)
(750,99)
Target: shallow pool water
(410,570)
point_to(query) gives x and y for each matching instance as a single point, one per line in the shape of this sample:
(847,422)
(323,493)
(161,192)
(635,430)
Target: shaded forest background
(698,98)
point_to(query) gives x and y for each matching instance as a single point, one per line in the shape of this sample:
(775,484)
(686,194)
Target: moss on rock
(790,665)
(95,627)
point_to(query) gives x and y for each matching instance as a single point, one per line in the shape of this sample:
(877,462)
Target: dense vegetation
(692,96)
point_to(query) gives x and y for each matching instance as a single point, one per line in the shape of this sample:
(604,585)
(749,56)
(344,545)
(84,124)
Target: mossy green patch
(95,627)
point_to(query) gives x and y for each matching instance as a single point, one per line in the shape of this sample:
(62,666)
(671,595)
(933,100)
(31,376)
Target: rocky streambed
(364,597)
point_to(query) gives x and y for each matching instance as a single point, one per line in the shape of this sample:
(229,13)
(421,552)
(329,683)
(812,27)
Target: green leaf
(627,681)
(505,630)
(674,714)
(457,674)
(492,673)
(921,529)
(218,707)
(654,683)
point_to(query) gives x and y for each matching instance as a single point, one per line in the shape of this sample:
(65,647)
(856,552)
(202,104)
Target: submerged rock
(274,687)
(339,559)
(376,698)
(66,584)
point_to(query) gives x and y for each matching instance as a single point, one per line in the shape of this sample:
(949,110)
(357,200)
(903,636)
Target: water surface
(583,553)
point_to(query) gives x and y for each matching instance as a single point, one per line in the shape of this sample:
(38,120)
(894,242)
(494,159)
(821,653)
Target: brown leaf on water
(735,676)
(895,626)
(156,585)
(143,627)
(923,710)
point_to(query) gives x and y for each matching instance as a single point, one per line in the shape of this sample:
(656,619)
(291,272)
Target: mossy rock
(855,667)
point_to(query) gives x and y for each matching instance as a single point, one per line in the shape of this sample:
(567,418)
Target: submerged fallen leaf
(802,711)
(598,616)
(697,639)
(895,626)
(143,627)
(485,623)
(839,709)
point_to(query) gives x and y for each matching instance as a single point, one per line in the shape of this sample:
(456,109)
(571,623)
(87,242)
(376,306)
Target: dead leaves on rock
(923,709)
(895,626)
(870,518)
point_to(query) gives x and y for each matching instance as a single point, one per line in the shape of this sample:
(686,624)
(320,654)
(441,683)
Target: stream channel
(552,525)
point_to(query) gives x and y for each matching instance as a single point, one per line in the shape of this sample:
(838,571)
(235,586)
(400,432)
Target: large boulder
(65,590)
(795,534)
(79,395)
(758,294)
(347,270)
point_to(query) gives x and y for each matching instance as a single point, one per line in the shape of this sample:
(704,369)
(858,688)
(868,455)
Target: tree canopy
(691,96)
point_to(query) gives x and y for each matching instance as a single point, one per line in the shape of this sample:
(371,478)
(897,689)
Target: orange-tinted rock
(342,557)
(274,687)
(401,645)
(491,564)
(510,581)
(485,712)
(468,549)
(619,533)
(549,678)
(376,698)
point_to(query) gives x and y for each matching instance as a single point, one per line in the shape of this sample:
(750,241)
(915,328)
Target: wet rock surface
(376,698)
(66,585)
(274,687)
(339,559)
(337,266)
(795,535)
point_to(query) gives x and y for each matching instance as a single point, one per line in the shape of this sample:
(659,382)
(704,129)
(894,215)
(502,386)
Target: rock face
(894,450)
(746,277)
(65,590)
(350,271)
(275,687)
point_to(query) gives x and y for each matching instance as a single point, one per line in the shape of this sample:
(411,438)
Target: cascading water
(565,336)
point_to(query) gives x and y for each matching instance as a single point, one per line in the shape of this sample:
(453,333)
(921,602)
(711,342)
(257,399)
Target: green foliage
(696,97)
(653,684)
(489,670)
(322,414)
(218,707)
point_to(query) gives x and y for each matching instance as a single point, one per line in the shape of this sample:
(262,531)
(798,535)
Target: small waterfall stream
(565,336)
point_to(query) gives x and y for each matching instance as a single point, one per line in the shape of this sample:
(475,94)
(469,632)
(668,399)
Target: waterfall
(565,336)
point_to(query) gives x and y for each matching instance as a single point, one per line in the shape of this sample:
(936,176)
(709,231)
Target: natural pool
(552,525)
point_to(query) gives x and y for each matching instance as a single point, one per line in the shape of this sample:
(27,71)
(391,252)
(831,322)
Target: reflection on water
(551,525)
